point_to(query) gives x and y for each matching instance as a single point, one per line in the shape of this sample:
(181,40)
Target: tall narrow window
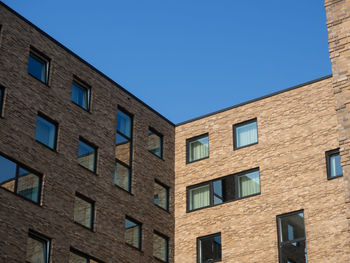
(38,249)
(38,66)
(133,233)
(209,248)
(197,148)
(46,131)
(81,95)
(245,134)
(84,211)
(2,95)
(20,180)
(333,162)
(122,174)
(160,247)
(161,195)
(291,237)
(155,142)
(87,155)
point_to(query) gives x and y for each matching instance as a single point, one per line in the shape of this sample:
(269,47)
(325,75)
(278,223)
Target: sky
(187,58)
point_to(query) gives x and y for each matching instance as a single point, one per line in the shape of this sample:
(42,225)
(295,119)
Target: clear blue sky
(186,58)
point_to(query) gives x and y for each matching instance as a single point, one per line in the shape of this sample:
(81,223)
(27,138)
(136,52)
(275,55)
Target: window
(161,195)
(38,249)
(87,155)
(46,131)
(133,233)
(155,142)
(38,66)
(225,189)
(209,248)
(20,180)
(333,162)
(291,237)
(122,173)
(197,148)
(81,95)
(245,134)
(84,211)
(2,96)
(76,256)
(160,247)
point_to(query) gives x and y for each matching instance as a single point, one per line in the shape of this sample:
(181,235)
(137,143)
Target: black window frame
(211,189)
(189,140)
(161,137)
(84,255)
(84,86)
(167,194)
(90,201)
(329,154)
(42,238)
(199,239)
(2,100)
(166,244)
(240,124)
(139,224)
(41,57)
(96,153)
(52,121)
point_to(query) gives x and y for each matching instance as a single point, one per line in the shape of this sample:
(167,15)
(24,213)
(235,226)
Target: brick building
(89,173)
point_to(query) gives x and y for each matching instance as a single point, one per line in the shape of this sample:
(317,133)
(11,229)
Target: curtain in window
(248,184)
(199,197)
(247,134)
(199,150)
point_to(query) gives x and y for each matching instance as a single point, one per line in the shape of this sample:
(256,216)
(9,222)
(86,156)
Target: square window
(2,95)
(133,233)
(38,249)
(333,162)
(46,131)
(38,66)
(160,247)
(161,195)
(155,142)
(245,134)
(209,248)
(87,155)
(197,148)
(122,176)
(81,95)
(199,197)
(84,211)
(248,184)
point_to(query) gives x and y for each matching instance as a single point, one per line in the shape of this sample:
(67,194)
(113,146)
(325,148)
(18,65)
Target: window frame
(83,255)
(189,140)
(161,137)
(41,57)
(39,237)
(155,232)
(139,225)
(92,203)
(240,124)
(199,239)
(2,100)
(52,121)
(96,154)
(167,194)
(82,85)
(211,189)
(329,154)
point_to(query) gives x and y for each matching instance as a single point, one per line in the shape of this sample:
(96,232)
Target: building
(89,173)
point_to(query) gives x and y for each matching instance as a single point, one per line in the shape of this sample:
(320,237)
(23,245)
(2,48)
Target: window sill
(159,157)
(126,191)
(162,208)
(87,169)
(334,177)
(42,82)
(48,147)
(86,110)
(160,260)
(245,146)
(85,227)
(189,162)
(22,197)
(135,248)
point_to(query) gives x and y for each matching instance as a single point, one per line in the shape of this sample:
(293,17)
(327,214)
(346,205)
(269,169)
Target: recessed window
(245,134)
(38,249)
(122,174)
(38,66)
(197,148)
(46,131)
(161,195)
(84,211)
(20,180)
(209,248)
(160,247)
(76,256)
(155,142)
(333,161)
(225,189)
(133,233)
(87,155)
(2,95)
(81,95)
(291,237)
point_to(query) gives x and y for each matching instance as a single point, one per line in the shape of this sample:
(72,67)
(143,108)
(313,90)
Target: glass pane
(37,67)
(122,152)
(83,212)
(210,249)
(246,134)
(120,139)
(160,247)
(123,123)
(45,132)
(294,252)
(86,156)
(248,184)
(80,96)
(28,185)
(122,176)
(199,149)
(292,227)
(132,233)
(336,169)
(224,190)
(161,196)
(154,143)
(7,173)
(199,197)
(74,258)
(36,251)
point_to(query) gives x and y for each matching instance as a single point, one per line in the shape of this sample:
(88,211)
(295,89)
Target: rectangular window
(81,94)
(333,162)
(20,180)
(155,142)
(76,256)
(225,189)
(209,248)
(46,131)
(84,211)
(160,247)
(38,66)
(87,155)
(245,134)
(161,195)
(2,96)
(122,173)
(291,237)
(197,148)
(38,249)
(133,233)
